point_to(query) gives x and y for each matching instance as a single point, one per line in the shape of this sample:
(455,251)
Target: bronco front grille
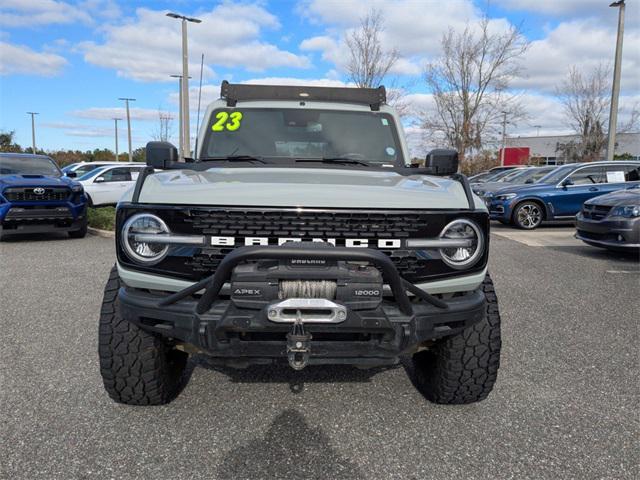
(595,212)
(305,224)
(37,194)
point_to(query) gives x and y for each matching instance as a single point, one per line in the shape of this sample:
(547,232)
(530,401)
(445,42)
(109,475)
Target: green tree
(7,143)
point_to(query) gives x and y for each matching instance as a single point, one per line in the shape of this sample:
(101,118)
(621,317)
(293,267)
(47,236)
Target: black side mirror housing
(71,174)
(566,182)
(529,180)
(161,154)
(442,162)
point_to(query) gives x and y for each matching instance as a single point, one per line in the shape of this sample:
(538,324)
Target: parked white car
(105,185)
(83,168)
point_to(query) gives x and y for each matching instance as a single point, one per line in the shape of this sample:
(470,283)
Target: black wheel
(137,367)
(82,232)
(528,215)
(463,368)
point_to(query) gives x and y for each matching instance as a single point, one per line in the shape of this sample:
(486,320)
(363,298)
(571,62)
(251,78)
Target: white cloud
(31,13)
(558,7)
(584,43)
(20,59)
(148,47)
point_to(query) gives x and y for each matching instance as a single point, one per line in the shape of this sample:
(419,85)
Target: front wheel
(463,368)
(528,215)
(137,367)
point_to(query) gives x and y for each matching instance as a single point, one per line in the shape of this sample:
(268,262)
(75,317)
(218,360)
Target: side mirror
(161,154)
(529,180)
(71,174)
(99,180)
(566,182)
(442,162)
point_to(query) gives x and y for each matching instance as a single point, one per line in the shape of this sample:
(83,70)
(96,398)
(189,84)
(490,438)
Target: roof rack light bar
(234,92)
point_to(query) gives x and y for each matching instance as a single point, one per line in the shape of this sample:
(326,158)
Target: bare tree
(164,130)
(469,83)
(369,63)
(585,100)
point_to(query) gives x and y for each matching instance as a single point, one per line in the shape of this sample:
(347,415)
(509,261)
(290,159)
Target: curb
(101,233)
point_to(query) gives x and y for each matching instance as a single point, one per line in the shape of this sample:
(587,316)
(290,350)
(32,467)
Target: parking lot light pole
(127,100)
(186,147)
(115,120)
(33,130)
(180,131)
(615,89)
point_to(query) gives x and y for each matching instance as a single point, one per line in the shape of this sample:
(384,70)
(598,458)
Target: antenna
(195,150)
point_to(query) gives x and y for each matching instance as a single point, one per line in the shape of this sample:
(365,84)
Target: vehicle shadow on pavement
(289,449)
(285,374)
(39,237)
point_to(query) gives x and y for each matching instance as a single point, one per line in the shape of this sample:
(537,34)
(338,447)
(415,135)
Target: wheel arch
(545,210)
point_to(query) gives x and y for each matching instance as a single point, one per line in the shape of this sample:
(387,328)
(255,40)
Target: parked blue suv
(560,194)
(35,197)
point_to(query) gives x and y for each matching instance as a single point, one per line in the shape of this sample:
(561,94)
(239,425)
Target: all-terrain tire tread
(137,367)
(463,368)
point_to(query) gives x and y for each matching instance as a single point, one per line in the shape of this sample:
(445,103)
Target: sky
(71,61)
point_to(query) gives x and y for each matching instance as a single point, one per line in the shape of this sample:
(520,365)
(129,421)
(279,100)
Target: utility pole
(116,124)
(33,130)
(127,100)
(615,89)
(180,128)
(186,141)
(504,137)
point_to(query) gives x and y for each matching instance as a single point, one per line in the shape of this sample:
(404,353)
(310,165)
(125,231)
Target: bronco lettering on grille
(347,242)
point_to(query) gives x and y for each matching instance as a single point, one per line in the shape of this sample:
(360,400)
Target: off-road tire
(463,368)
(137,367)
(82,231)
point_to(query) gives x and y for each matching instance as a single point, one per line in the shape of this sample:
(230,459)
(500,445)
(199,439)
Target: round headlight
(463,256)
(144,251)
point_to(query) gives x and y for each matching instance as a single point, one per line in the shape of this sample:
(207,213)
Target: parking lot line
(541,237)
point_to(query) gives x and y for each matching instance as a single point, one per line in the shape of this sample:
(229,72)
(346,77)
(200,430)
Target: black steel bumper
(241,336)
(619,233)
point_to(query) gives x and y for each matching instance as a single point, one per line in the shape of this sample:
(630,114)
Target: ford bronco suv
(35,197)
(300,233)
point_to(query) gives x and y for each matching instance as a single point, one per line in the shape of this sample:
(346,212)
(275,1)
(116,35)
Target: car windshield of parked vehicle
(497,176)
(530,175)
(286,135)
(92,173)
(558,174)
(26,165)
(68,168)
(84,169)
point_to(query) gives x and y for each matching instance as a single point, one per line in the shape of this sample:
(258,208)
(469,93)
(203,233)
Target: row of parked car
(37,196)
(602,197)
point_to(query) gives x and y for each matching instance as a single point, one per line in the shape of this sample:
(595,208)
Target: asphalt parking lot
(565,405)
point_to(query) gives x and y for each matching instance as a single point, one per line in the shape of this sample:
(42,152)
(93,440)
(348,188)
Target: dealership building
(546,147)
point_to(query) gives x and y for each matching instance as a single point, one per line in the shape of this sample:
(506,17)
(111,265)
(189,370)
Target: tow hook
(298,345)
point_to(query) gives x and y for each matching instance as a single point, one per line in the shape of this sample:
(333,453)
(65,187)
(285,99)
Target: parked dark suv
(36,197)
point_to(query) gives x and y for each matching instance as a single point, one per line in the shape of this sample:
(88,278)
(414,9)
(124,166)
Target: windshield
(26,165)
(533,174)
(558,174)
(285,134)
(497,176)
(82,170)
(94,171)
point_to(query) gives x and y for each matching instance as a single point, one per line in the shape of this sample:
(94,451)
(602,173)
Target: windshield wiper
(234,158)
(349,161)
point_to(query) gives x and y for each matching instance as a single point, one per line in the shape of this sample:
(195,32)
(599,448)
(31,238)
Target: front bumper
(232,334)
(242,336)
(29,218)
(610,232)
